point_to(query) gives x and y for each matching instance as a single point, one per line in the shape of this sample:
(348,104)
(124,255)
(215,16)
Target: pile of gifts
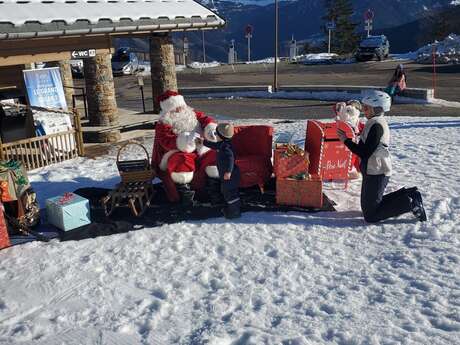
(294,185)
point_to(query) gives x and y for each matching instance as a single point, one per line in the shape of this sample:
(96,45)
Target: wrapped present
(13,180)
(307,191)
(4,238)
(68,211)
(289,160)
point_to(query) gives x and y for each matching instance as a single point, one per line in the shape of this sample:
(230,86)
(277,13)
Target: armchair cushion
(253,149)
(253,140)
(254,170)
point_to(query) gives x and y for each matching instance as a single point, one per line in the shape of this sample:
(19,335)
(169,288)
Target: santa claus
(182,166)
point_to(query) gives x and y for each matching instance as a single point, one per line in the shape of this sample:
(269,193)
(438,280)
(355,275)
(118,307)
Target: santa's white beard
(183,121)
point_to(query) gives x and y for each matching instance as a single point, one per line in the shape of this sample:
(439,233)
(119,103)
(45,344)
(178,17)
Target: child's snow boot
(233,209)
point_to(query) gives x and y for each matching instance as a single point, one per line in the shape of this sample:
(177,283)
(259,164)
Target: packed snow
(267,278)
(263,61)
(315,58)
(201,65)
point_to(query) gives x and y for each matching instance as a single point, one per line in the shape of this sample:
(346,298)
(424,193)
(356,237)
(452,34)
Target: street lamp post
(275,78)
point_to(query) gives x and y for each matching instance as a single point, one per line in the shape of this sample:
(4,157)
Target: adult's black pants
(375,205)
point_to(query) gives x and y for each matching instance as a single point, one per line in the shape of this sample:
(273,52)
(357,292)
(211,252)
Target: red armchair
(253,150)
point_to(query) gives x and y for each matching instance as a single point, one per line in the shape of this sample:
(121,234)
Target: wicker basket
(137,170)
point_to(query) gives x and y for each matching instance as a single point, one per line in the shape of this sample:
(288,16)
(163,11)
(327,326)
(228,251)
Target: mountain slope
(400,20)
(303,19)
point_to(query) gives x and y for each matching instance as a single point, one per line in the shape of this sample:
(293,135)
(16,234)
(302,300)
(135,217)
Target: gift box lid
(67,199)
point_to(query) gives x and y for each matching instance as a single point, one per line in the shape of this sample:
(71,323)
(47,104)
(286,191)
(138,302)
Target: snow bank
(267,278)
(446,51)
(201,65)
(322,58)
(314,58)
(266,60)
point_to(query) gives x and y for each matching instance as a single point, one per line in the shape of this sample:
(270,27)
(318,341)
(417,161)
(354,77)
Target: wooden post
(78,132)
(162,65)
(100,90)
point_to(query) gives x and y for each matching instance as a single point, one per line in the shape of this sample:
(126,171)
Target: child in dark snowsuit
(229,173)
(376,166)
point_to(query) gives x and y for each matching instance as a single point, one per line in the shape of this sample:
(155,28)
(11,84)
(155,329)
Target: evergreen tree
(344,37)
(440,26)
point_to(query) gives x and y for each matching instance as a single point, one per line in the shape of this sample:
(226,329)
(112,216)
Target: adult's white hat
(378,99)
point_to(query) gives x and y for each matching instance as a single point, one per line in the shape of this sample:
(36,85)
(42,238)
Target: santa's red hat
(170,100)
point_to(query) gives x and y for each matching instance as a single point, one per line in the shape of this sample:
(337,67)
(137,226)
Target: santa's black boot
(213,189)
(186,195)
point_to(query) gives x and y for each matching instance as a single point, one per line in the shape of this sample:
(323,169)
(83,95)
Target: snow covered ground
(267,278)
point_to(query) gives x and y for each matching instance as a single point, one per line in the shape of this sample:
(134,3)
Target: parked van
(124,61)
(373,46)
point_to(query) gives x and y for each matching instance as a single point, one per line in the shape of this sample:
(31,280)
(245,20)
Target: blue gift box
(68,211)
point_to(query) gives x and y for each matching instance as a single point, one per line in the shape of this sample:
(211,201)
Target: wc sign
(83,54)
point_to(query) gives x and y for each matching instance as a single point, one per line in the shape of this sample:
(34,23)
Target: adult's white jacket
(373,147)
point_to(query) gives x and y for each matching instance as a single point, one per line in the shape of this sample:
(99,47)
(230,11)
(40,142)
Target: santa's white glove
(210,133)
(186,142)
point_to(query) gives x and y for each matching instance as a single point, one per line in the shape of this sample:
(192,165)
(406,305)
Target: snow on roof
(44,15)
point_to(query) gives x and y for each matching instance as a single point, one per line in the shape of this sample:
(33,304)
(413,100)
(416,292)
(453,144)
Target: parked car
(124,61)
(373,46)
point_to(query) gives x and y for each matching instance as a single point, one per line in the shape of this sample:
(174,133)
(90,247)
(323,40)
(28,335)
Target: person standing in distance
(373,149)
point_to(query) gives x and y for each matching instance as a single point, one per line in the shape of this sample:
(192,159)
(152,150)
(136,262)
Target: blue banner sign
(44,88)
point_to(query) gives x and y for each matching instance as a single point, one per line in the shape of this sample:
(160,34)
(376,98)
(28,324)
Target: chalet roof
(48,18)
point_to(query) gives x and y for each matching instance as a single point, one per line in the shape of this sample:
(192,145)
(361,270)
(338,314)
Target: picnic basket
(137,170)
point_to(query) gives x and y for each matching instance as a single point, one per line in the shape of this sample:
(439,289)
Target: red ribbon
(66,198)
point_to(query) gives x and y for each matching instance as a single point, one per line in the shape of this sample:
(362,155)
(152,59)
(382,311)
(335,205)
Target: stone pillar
(100,91)
(67,80)
(162,66)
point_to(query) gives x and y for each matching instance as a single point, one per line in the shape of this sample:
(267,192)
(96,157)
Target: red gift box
(304,193)
(285,166)
(4,238)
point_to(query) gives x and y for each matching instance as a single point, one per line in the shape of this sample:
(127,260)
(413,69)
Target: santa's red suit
(175,156)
